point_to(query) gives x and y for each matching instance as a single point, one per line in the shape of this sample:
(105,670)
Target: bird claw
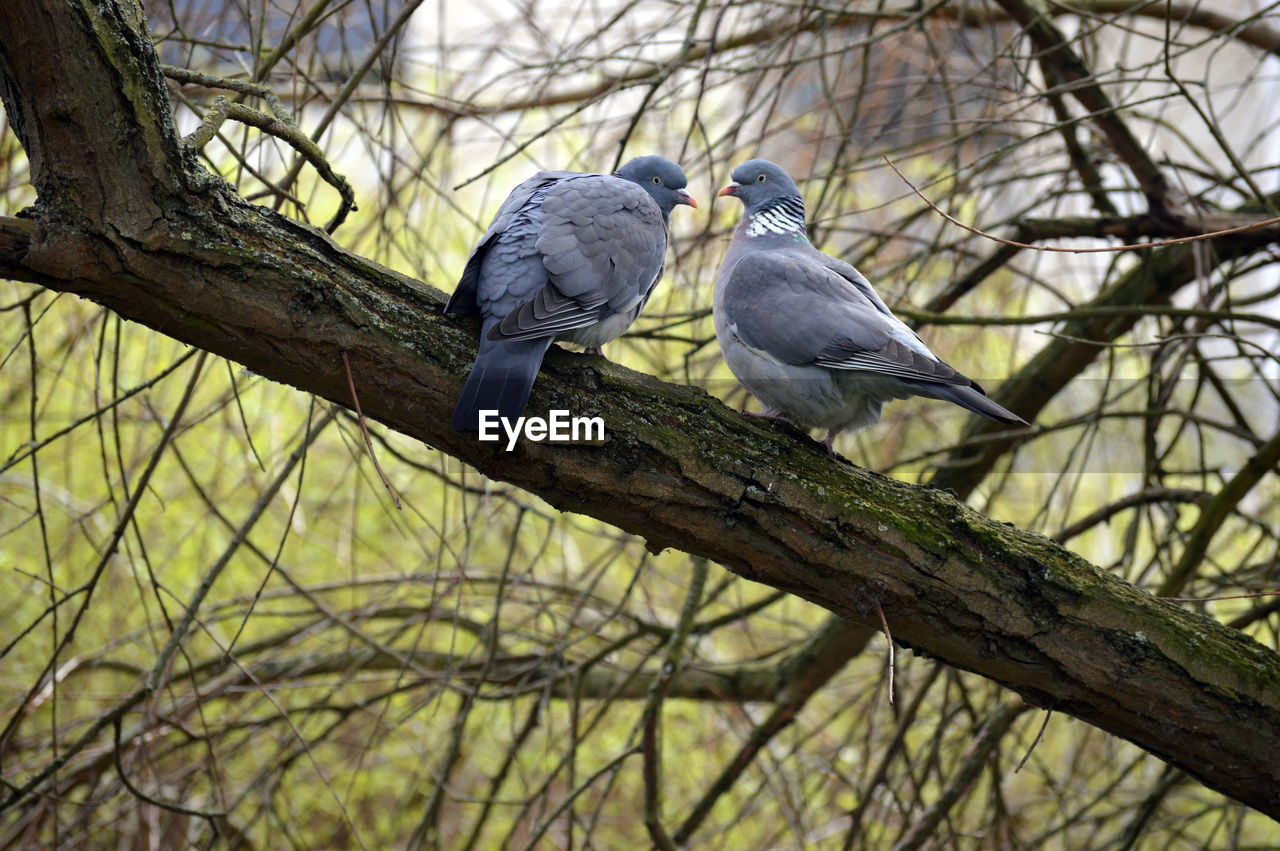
(772,415)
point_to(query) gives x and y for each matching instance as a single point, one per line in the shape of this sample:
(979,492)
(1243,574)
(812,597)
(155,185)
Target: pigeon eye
(760,178)
(657,181)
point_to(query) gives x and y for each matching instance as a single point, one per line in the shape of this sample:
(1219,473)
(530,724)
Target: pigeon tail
(970,398)
(500,380)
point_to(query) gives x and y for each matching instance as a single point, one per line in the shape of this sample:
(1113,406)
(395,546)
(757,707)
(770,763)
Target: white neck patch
(781,219)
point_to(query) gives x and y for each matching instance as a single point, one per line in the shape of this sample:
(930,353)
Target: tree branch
(677,468)
(1060,63)
(977,757)
(1255,33)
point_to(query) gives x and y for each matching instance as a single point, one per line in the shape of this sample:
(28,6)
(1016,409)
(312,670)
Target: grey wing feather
(853,276)
(791,310)
(798,312)
(602,240)
(863,286)
(893,359)
(464,300)
(906,356)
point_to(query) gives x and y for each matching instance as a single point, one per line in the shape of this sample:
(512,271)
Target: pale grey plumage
(568,256)
(806,333)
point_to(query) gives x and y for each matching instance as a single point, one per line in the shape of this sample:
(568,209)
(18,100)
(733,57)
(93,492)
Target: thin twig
(209,815)
(365,431)
(800,677)
(651,747)
(961,778)
(1039,735)
(155,677)
(1252,596)
(889,638)
(213,119)
(108,551)
(1133,246)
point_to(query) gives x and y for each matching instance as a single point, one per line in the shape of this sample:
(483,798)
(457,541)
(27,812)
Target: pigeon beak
(686,198)
(731,189)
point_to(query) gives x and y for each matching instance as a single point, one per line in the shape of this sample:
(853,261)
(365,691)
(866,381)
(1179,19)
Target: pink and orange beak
(686,198)
(731,189)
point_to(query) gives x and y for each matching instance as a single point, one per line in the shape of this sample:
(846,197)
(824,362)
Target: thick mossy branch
(677,468)
(682,470)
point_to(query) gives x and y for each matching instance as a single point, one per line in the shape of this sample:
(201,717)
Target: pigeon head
(662,179)
(774,206)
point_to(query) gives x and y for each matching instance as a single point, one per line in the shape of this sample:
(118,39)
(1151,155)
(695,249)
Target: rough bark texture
(126,218)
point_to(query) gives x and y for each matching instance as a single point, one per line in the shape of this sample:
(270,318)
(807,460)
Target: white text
(557,427)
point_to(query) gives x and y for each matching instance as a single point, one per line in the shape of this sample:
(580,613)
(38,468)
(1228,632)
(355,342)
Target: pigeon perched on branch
(806,333)
(568,256)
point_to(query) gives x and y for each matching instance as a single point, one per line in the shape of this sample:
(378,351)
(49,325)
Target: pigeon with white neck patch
(806,333)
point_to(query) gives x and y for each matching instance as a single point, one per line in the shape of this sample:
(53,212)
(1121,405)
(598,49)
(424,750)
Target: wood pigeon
(806,333)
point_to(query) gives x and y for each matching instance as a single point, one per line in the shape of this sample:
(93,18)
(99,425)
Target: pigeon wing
(464,300)
(602,240)
(793,310)
(789,310)
(859,282)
